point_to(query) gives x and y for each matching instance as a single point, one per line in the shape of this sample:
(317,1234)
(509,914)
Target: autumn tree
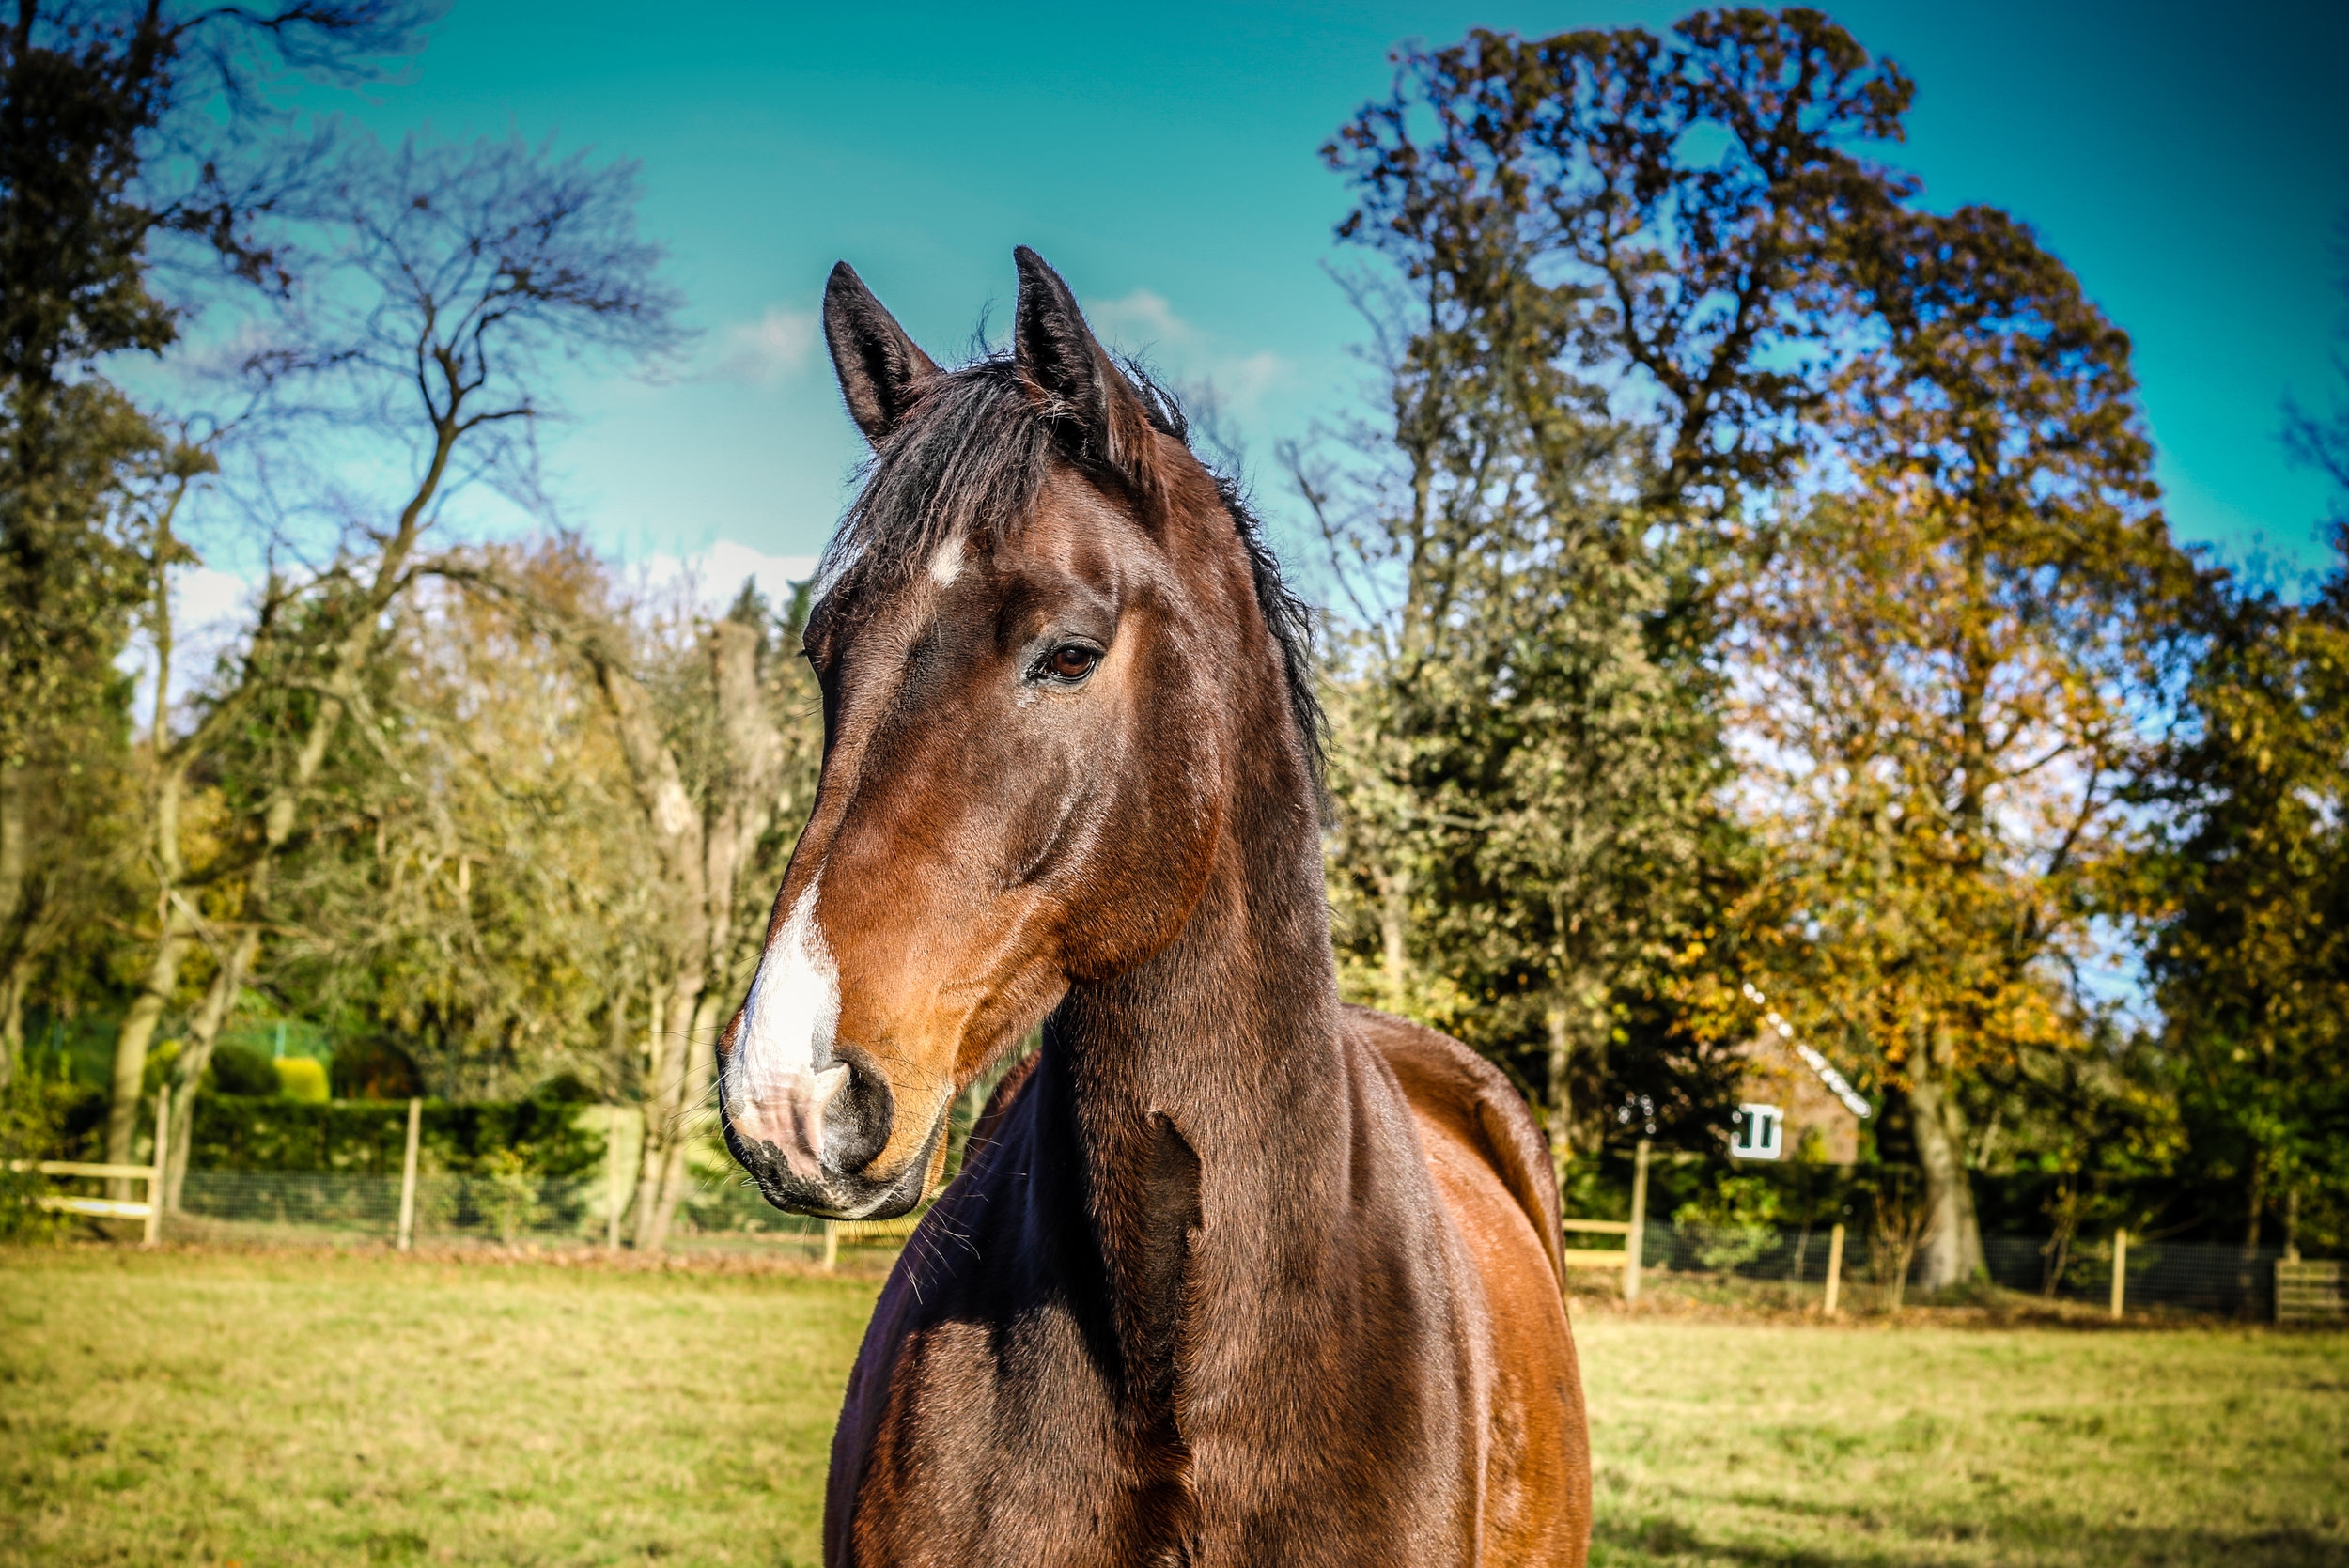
(467,906)
(1611,263)
(1953,672)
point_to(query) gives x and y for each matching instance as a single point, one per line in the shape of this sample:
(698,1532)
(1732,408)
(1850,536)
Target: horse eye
(1072,662)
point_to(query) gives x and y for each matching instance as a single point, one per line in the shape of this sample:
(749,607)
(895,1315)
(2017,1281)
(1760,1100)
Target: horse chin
(835,1196)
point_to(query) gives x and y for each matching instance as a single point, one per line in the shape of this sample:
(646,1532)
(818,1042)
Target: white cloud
(763,352)
(1146,323)
(711,575)
(1246,381)
(1141,320)
(207,601)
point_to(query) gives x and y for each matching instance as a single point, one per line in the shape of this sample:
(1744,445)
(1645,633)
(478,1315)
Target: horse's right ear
(876,363)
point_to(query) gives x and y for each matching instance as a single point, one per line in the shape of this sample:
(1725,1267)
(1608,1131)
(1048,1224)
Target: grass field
(296,1409)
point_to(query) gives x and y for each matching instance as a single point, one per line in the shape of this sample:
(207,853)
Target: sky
(2191,162)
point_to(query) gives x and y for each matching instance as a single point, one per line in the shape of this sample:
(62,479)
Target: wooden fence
(2311,1291)
(150,1211)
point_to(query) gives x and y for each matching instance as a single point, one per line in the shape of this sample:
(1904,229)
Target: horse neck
(1208,1081)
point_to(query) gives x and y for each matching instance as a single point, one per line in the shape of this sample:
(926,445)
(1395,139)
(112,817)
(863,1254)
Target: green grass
(294,1409)
(1727,1443)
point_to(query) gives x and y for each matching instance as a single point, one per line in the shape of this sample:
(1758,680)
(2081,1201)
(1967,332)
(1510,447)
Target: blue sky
(2191,162)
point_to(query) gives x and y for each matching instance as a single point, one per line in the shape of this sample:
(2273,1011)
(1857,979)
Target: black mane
(968,463)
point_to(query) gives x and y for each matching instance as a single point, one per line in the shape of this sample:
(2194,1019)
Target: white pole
(162,1156)
(2120,1270)
(1834,1269)
(1637,1233)
(408,1175)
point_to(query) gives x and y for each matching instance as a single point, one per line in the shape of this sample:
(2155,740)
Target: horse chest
(1302,1427)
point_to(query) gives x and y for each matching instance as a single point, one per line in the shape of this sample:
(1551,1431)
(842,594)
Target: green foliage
(2250,906)
(29,1116)
(1733,1224)
(512,1201)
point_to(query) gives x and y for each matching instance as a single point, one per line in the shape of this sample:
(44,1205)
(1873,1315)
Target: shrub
(236,1070)
(28,1126)
(374,1069)
(1732,1225)
(299,1078)
(511,1201)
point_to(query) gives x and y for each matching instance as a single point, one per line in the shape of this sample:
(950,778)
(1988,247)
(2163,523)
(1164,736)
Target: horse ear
(1076,377)
(876,363)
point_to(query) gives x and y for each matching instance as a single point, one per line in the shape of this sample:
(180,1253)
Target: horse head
(1042,633)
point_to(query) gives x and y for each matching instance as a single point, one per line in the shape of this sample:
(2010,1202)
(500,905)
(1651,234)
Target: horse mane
(967,463)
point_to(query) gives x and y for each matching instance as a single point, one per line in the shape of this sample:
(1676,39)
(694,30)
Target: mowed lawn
(293,1410)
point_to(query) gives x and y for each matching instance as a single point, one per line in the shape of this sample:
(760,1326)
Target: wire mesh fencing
(1792,1264)
(338,1209)
(1788,1264)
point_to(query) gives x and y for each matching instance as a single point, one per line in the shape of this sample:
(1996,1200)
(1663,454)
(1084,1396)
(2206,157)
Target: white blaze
(947,564)
(780,1075)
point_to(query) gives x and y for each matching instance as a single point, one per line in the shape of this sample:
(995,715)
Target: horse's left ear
(1067,366)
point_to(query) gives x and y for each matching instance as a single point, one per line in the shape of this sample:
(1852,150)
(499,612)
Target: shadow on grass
(1664,1542)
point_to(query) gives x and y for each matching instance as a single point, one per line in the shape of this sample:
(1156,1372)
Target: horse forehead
(1076,531)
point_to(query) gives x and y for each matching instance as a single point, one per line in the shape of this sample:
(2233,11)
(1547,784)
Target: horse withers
(1235,1274)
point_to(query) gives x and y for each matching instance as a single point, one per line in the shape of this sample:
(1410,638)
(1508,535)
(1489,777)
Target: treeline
(1748,607)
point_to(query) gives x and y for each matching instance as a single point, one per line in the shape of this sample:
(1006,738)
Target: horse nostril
(857,1122)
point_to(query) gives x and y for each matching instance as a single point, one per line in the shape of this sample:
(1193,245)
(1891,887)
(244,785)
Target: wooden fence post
(408,1175)
(831,1242)
(162,1163)
(616,1190)
(2120,1270)
(1637,1233)
(1834,1269)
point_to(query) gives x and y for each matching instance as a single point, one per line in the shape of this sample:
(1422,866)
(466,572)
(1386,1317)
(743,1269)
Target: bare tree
(443,286)
(707,840)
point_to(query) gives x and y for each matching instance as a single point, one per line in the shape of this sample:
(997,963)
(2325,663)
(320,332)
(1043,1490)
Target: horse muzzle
(809,1139)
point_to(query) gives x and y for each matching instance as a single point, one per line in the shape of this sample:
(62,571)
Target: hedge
(237,1132)
(254,1132)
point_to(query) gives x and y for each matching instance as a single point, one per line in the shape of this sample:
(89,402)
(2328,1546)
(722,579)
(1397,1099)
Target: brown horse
(1239,1275)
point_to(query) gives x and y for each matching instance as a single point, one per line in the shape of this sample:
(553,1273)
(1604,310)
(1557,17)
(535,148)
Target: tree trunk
(195,1051)
(1394,935)
(1561,1090)
(15,855)
(698,1050)
(13,988)
(137,1032)
(665,1113)
(1952,1242)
